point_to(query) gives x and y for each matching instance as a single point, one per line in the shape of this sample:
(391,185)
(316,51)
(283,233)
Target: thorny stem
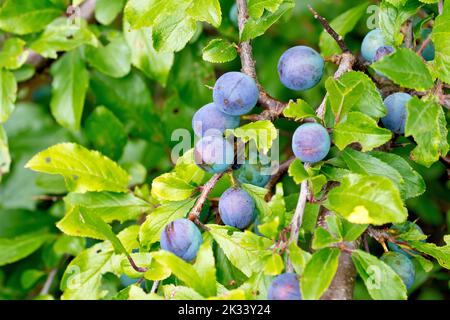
(195,212)
(297,219)
(155,286)
(277,176)
(273,107)
(135,266)
(48,282)
(339,40)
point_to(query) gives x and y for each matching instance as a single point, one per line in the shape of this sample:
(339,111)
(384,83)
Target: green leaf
(358,127)
(299,110)
(364,163)
(155,65)
(106,133)
(391,18)
(109,206)
(82,279)
(354,91)
(172,292)
(27,16)
(245,250)
(69,245)
(170,187)
(8,94)
(205,266)
(69,87)
(367,200)
(426,123)
(441,41)
(151,229)
(183,271)
(219,51)
(17,248)
(83,170)
(299,258)
(63,35)
(262,132)
(414,183)
(13,55)
(172,34)
(256,7)
(342,24)
(130,100)
(207,11)
(323,238)
(187,170)
(297,171)
(258,194)
(274,265)
(405,68)
(107,10)
(441,254)
(258,26)
(381,281)
(319,273)
(114,59)
(92,221)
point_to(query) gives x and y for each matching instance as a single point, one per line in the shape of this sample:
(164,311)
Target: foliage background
(134,128)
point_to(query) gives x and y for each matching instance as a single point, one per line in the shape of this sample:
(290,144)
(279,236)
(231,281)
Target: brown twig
(277,176)
(339,40)
(206,189)
(273,107)
(135,266)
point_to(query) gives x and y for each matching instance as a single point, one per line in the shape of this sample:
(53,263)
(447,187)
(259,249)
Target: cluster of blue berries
(236,94)
(373,49)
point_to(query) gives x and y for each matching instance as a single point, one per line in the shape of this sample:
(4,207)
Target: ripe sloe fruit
(214,154)
(182,238)
(235,93)
(396,112)
(285,287)
(252,174)
(401,265)
(382,52)
(237,208)
(300,68)
(401,228)
(372,41)
(311,142)
(209,120)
